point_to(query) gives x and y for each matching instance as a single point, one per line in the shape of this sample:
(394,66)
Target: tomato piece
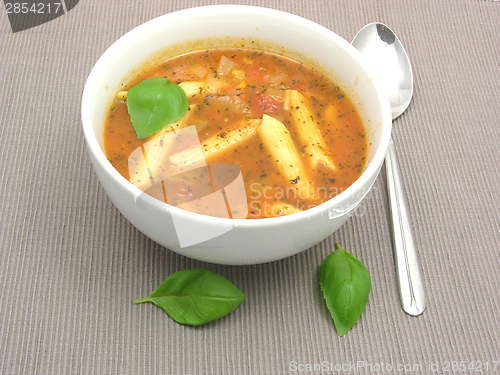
(176,190)
(266,104)
(258,73)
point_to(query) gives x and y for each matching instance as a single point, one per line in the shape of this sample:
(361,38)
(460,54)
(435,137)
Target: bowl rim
(99,156)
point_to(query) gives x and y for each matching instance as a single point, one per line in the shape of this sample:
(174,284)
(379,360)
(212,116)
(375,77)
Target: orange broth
(266,77)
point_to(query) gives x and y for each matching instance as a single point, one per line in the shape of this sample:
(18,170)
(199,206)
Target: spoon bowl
(388,57)
(385,53)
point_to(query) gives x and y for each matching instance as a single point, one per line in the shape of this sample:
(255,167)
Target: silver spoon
(385,53)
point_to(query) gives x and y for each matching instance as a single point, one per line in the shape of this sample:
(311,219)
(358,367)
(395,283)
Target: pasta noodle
(218,142)
(278,141)
(192,88)
(281,209)
(315,146)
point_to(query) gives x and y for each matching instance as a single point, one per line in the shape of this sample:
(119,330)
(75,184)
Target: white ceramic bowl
(233,241)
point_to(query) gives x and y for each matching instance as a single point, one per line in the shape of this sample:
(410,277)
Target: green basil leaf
(195,297)
(345,283)
(154,104)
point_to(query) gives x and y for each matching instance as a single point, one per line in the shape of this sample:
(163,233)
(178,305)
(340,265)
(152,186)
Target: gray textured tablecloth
(70,263)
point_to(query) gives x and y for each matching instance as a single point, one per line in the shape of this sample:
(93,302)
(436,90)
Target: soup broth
(293,136)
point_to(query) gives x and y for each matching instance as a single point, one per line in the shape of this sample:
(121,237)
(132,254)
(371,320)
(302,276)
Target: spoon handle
(411,289)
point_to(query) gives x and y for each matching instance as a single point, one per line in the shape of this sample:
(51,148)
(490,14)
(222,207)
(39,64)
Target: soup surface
(289,136)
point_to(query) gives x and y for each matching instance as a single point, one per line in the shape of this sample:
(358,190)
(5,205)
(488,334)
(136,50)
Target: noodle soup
(293,137)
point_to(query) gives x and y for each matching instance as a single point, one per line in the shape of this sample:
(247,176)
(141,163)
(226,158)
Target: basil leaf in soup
(345,283)
(196,297)
(154,104)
